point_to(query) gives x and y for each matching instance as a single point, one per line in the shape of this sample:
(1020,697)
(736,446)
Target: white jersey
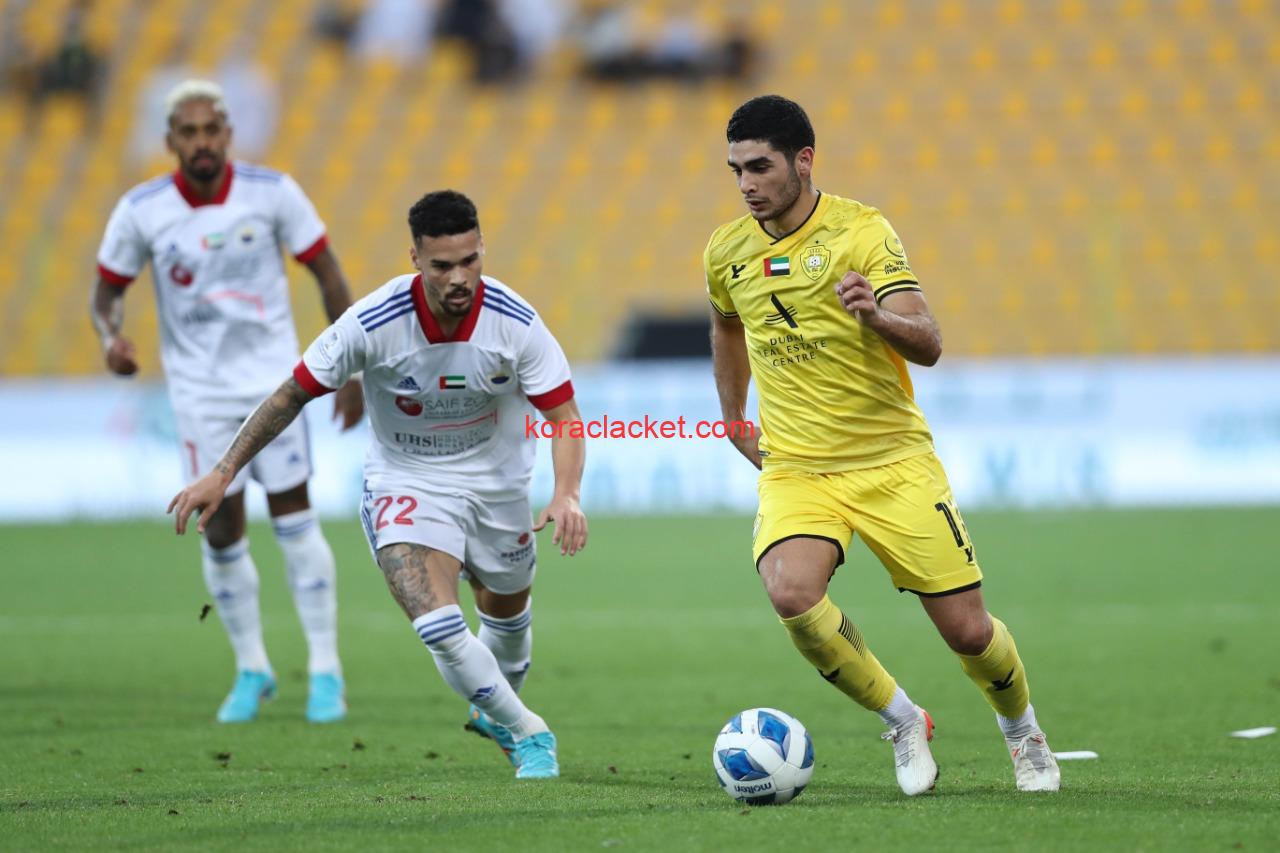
(227,335)
(447,412)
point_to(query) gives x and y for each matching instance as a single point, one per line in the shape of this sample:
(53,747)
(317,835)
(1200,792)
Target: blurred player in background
(815,300)
(213,232)
(452,361)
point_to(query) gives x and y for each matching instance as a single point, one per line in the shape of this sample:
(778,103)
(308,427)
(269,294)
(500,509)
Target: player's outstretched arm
(903,319)
(107,313)
(733,376)
(260,429)
(568,457)
(348,401)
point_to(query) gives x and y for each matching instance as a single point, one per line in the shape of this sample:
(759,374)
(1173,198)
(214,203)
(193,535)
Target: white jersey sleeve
(543,369)
(298,226)
(334,357)
(124,251)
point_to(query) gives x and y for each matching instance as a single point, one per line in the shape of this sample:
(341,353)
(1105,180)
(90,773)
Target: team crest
(815,260)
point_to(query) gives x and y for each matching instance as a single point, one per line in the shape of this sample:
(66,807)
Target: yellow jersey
(833,395)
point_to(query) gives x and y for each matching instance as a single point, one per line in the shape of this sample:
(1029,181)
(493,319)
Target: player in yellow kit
(815,300)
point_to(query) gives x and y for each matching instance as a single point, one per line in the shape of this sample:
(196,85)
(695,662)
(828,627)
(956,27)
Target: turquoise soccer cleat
(326,701)
(537,757)
(483,725)
(247,695)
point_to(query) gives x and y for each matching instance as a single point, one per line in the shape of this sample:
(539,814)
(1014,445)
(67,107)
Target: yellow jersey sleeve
(716,290)
(881,259)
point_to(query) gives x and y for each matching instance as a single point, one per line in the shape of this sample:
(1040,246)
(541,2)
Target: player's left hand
(858,299)
(348,404)
(570,522)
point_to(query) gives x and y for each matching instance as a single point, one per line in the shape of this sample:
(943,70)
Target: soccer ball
(763,756)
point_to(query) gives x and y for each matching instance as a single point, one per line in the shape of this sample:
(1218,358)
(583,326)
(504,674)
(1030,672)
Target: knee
(970,637)
(790,598)
(221,536)
(225,528)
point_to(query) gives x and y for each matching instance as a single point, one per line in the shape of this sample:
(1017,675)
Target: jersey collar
(189,194)
(773,241)
(431,328)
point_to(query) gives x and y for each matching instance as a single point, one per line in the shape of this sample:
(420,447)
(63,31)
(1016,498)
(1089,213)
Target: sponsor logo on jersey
(814,261)
(780,265)
(408,384)
(784,314)
(409,406)
(737,269)
(500,379)
(453,383)
(181,276)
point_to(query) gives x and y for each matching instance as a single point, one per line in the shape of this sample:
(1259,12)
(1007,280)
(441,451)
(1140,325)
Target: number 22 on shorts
(384,503)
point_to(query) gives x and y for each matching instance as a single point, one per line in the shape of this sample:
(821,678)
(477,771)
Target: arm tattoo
(267,421)
(405,568)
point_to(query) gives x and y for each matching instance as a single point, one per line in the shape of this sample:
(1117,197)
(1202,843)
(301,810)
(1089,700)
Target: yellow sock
(829,641)
(999,674)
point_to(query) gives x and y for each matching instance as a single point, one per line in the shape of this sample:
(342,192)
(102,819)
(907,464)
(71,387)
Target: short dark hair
(441,213)
(779,121)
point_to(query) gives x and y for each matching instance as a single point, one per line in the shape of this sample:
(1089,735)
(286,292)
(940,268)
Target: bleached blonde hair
(194,90)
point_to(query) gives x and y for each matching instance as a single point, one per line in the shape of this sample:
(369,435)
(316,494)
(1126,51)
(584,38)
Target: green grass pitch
(1148,636)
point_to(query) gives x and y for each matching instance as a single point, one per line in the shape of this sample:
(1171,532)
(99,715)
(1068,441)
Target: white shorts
(282,465)
(493,540)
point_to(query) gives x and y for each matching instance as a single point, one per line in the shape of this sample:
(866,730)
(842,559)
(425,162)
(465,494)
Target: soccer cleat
(247,694)
(326,701)
(1034,767)
(536,757)
(913,762)
(483,725)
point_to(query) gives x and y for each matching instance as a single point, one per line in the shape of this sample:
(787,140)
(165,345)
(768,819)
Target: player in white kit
(453,362)
(213,232)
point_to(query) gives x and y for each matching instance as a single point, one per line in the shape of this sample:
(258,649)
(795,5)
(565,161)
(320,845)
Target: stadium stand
(1068,176)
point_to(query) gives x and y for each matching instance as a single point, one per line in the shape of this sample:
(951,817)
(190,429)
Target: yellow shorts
(904,511)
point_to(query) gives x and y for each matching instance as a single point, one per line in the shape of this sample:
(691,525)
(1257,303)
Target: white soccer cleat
(1034,766)
(913,762)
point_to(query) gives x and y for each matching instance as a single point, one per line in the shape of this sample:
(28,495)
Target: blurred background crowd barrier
(1088,191)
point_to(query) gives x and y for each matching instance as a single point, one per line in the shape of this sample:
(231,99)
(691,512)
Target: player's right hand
(749,446)
(203,496)
(121,356)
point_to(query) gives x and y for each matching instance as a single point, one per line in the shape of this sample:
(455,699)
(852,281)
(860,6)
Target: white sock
(511,641)
(232,580)
(472,671)
(313,579)
(900,711)
(1021,727)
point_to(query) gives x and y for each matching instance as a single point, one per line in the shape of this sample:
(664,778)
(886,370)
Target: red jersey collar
(189,194)
(428,320)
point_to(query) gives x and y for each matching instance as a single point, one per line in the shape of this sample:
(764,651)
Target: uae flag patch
(452,383)
(777,266)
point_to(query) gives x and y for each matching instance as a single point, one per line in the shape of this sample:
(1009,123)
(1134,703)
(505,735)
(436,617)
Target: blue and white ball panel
(763,755)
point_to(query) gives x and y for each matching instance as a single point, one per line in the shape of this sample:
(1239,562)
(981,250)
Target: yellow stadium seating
(1070,177)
